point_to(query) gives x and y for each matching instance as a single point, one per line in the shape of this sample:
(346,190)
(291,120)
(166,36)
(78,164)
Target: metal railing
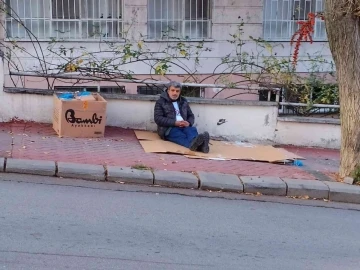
(302,109)
(64,19)
(281,17)
(186,19)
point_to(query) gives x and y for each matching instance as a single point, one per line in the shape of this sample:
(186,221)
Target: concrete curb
(25,166)
(81,171)
(340,192)
(175,179)
(265,185)
(274,186)
(220,182)
(2,164)
(129,175)
(311,188)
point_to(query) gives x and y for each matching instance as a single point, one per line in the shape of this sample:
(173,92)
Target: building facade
(94,25)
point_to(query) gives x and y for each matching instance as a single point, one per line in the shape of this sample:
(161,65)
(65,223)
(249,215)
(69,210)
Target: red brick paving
(120,147)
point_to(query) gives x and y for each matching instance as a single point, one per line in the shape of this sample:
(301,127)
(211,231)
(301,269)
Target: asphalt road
(49,226)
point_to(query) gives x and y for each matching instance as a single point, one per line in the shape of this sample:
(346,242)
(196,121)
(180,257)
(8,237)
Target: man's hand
(182,124)
(185,123)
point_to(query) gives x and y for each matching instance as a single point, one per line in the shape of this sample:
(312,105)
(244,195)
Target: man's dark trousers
(182,135)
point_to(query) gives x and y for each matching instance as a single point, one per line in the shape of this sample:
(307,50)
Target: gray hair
(173,84)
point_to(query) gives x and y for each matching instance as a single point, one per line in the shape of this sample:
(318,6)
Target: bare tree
(342,19)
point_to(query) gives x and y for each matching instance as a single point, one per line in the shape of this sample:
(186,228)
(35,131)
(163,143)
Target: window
(281,17)
(186,19)
(151,90)
(103,89)
(64,19)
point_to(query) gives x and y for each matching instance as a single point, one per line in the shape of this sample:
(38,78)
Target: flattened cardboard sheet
(147,135)
(219,150)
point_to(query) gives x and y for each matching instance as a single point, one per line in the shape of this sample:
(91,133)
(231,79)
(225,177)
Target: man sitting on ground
(175,120)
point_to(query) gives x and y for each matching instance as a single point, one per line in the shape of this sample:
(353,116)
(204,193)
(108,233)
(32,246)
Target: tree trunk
(343,30)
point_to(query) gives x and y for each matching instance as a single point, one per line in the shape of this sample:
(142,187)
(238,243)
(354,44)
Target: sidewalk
(120,147)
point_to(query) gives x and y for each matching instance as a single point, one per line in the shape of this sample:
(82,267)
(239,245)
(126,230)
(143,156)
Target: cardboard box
(80,118)
(87,98)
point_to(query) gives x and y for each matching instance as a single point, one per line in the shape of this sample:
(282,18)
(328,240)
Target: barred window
(281,17)
(64,19)
(186,19)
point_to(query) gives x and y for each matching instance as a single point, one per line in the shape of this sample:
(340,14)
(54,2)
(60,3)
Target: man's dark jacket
(165,116)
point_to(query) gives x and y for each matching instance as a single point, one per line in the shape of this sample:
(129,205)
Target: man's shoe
(205,145)
(197,142)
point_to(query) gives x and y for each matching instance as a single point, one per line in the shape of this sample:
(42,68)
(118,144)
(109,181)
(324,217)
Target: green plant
(141,167)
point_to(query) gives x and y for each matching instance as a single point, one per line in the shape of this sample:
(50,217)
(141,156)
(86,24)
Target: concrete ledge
(129,175)
(81,171)
(311,188)
(25,166)
(46,92)
(266,185)
(220,182)
(2,164)
(340,192)
(311,120)
(175,179)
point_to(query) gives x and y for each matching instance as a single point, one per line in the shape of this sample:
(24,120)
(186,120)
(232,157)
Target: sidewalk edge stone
(2,164)
(341,192)
(129,175)
(266,185)
(34,167)
(175,179)
(312,188)
(220,182)
(81,171)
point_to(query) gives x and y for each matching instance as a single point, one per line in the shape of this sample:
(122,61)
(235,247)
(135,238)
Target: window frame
(119,22)
(183,21)
(319,34)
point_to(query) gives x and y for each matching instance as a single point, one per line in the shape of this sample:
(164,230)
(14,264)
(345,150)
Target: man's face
(174,92)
